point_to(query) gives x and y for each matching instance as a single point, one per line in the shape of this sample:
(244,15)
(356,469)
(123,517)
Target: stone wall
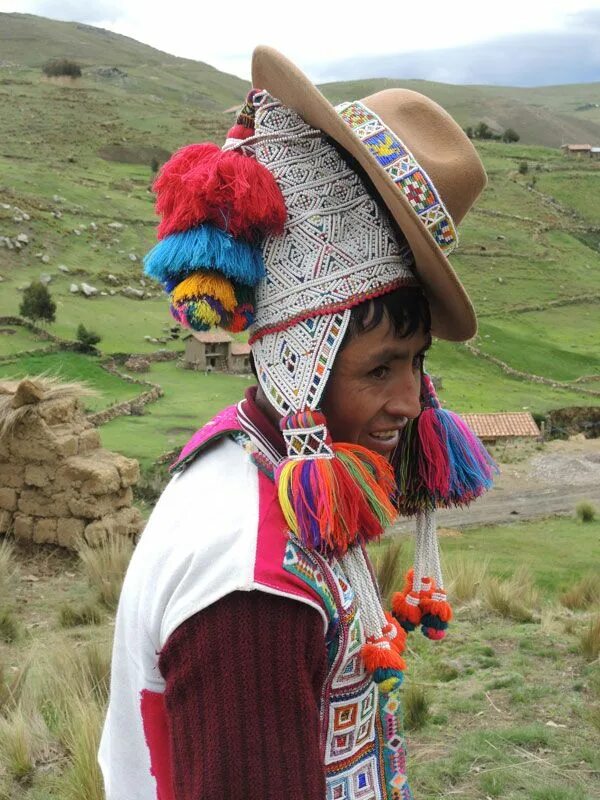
(56,482)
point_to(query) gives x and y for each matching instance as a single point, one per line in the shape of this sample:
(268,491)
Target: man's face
(374,387)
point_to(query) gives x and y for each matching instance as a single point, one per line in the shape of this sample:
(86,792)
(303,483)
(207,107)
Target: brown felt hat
(420,161)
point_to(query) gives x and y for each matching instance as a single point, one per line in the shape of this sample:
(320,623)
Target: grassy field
(501,708)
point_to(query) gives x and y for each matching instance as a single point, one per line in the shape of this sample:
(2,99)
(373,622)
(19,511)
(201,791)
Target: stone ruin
(57,485)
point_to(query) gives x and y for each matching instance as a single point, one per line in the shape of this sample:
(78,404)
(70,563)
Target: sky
(510,42)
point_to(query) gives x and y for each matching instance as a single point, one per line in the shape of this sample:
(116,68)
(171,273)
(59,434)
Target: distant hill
(548,115)
(545,115)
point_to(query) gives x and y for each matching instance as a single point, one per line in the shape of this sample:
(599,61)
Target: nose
(404,398)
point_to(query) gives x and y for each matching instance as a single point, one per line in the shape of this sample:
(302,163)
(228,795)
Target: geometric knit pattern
(293,365)
(338,247)
(403,168)
(362,731)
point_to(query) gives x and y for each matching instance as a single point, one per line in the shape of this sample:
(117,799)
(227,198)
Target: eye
(380,372)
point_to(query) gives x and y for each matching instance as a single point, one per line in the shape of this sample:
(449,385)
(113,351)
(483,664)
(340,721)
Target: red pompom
(398,641)
(380,655)
(240,132)
(202,183)
(405,606)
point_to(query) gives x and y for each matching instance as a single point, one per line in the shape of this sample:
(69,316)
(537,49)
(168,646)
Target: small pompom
(205,247)
(380,654)
(202,183)
(205,282)
(433,634)
(405,606)
(395,633)
(240,132)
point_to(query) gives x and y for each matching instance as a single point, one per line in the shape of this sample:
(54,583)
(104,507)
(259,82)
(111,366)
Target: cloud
(93,11)
(531,59)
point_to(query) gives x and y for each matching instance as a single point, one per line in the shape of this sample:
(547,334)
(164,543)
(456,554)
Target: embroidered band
(404,169)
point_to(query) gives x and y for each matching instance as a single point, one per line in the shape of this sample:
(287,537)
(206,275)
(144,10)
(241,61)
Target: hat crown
(437,142)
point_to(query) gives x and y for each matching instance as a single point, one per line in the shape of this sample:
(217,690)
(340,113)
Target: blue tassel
(205,247)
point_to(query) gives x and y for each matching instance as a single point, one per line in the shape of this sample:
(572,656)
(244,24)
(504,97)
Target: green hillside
(75,180)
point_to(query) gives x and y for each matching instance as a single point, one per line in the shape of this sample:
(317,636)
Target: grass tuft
(105,567)
(465,576)
(85,614)
(83,779)
(583,594)
(9,570)
(589,640)
(416,706)
(586,511)
(23,739)
(9,626)
(514,598)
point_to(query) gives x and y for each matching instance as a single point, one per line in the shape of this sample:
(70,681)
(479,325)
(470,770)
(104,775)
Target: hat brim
(452,314)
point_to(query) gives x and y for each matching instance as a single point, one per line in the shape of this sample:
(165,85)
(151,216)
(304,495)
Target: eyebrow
(391,353)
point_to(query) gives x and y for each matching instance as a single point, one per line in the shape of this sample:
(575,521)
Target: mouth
(385,441)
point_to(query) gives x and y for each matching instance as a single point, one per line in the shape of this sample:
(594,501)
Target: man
(252,656)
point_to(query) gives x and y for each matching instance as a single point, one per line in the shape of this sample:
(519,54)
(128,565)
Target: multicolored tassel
(206,299)
(440,462)
(331,494)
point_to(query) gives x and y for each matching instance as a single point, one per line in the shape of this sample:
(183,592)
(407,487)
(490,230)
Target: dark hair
(406,308)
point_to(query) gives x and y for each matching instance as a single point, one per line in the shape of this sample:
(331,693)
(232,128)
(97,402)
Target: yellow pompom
(205,282)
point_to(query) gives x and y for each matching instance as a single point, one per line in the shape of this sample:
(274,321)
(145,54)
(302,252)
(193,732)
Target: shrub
(105,567)
(510,135)
(585,511)
(154,165)
(23,740)
(152,482)
(523,167)
(583,594)
(416,707)
(37,303)
(62,66)
(589,641)
(9,627)
(483,131)
(87,340)
(8,572)
(83,779)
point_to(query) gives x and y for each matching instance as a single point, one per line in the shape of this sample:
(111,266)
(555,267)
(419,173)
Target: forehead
(383,342)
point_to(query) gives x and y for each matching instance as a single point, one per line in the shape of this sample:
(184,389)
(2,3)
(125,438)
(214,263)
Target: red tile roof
(502,425)
(211,338)
(240,349)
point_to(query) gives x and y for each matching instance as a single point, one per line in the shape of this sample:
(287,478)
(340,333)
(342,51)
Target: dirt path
(536,482)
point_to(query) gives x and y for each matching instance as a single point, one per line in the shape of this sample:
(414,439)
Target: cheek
(347,411)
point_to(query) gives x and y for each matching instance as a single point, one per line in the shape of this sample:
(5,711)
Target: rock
(56,198)
(6,521)
(500,279)
(132,257)
(76,232)
(23,238)
(93,226)
(501,238)
(89,440)
(142,282)
(36,475)
(73,288)
(44,531)
(8,500)
(147,338)
(45,278)
(88,291)
(24,286)
(98,506)
(134,364)
(57,214)
(116,226)
(112,278)
(103,294)
(130,291)
(35,503)
(63,268)
(90,474)
(69,531)
(112,292)
(11,475)
(46,259)
(23,526)
(28,393)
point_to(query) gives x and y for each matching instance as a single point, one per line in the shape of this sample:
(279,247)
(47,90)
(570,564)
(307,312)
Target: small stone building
(503,426)
(56,482)
(216,351)
(576,149)
(239,357)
